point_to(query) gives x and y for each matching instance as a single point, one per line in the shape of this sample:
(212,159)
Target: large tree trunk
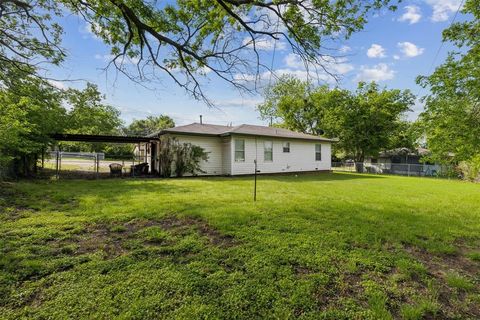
(359,158)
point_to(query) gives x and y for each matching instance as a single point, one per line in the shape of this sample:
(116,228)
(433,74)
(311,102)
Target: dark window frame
(242,152)
(318,153)
(266,151)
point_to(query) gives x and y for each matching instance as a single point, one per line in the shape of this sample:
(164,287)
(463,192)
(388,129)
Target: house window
(286,147)
(268,151)
(318,152)
(239,150)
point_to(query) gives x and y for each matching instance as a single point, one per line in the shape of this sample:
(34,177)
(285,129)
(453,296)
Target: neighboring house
(232,150)
(402,161)
(399,155)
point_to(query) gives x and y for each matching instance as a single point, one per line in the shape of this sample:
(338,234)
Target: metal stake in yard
(255,185)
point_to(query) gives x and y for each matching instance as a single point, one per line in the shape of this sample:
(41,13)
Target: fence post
(97,164)
(59,162)
(408,169)
(57,168)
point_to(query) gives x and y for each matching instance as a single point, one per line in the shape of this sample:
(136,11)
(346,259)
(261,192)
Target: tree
(30,111)
(451,119)
(373,117)
(407,135)
(182,157)
(28,37)
(188,39)
(88,114)
(299,106)
(188,158)
(365,121)
(150,125)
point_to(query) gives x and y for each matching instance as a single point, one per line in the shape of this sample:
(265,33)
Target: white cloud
(345,49)
(442,9)
(239,103)
(295,66)
(396,57)
(120,60)
(412,14)
(87,31)
(57,84)
(379,72)
(265,44)
(409,49)
(335,65)
(376,51)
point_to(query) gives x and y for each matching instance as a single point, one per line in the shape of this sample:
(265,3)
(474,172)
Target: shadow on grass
(301,177)
(66,195)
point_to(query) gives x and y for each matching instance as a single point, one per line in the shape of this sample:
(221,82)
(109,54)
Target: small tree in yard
(182,157)
(165,156)
(188,158)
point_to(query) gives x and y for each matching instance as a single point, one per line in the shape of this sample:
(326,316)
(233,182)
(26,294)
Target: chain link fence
(61,165)
(404,169)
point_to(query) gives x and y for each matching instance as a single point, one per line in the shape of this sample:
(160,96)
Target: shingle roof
(208,129)
(249,129)
(244,129)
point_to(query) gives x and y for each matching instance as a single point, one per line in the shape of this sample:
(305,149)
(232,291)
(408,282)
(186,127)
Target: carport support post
(97,160)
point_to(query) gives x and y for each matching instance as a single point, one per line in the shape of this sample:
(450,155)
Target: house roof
(404,151)
(244,129)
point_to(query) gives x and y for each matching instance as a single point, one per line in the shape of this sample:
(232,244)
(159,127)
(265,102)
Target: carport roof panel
(99,138)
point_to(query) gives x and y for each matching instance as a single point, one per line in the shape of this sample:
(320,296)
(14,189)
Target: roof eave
(279,137)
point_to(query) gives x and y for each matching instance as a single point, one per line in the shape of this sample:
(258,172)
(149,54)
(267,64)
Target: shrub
(188,158)
(165,156)
(470,169)
(181,157)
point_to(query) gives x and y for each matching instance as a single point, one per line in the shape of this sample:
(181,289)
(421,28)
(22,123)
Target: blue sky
(393,49)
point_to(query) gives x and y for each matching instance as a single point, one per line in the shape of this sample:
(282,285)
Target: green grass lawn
(330,246)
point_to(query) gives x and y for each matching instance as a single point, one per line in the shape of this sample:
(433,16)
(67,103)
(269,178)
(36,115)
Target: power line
(442,44)
(274,51)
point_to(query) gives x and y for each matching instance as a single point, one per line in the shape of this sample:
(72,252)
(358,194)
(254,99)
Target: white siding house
(234,150)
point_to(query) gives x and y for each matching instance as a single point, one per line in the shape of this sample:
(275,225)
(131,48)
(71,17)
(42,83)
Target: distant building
(402,161)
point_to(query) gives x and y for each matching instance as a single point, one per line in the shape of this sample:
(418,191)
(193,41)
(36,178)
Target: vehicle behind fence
(92,165)
(404,169)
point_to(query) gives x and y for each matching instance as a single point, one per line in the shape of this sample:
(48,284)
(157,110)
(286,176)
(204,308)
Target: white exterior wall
(221,157)
(212,145)
(300,158)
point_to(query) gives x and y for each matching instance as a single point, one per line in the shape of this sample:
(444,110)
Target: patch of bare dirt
(111,237)
(438,266)
(302,271)
(215,237)
(346,286)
